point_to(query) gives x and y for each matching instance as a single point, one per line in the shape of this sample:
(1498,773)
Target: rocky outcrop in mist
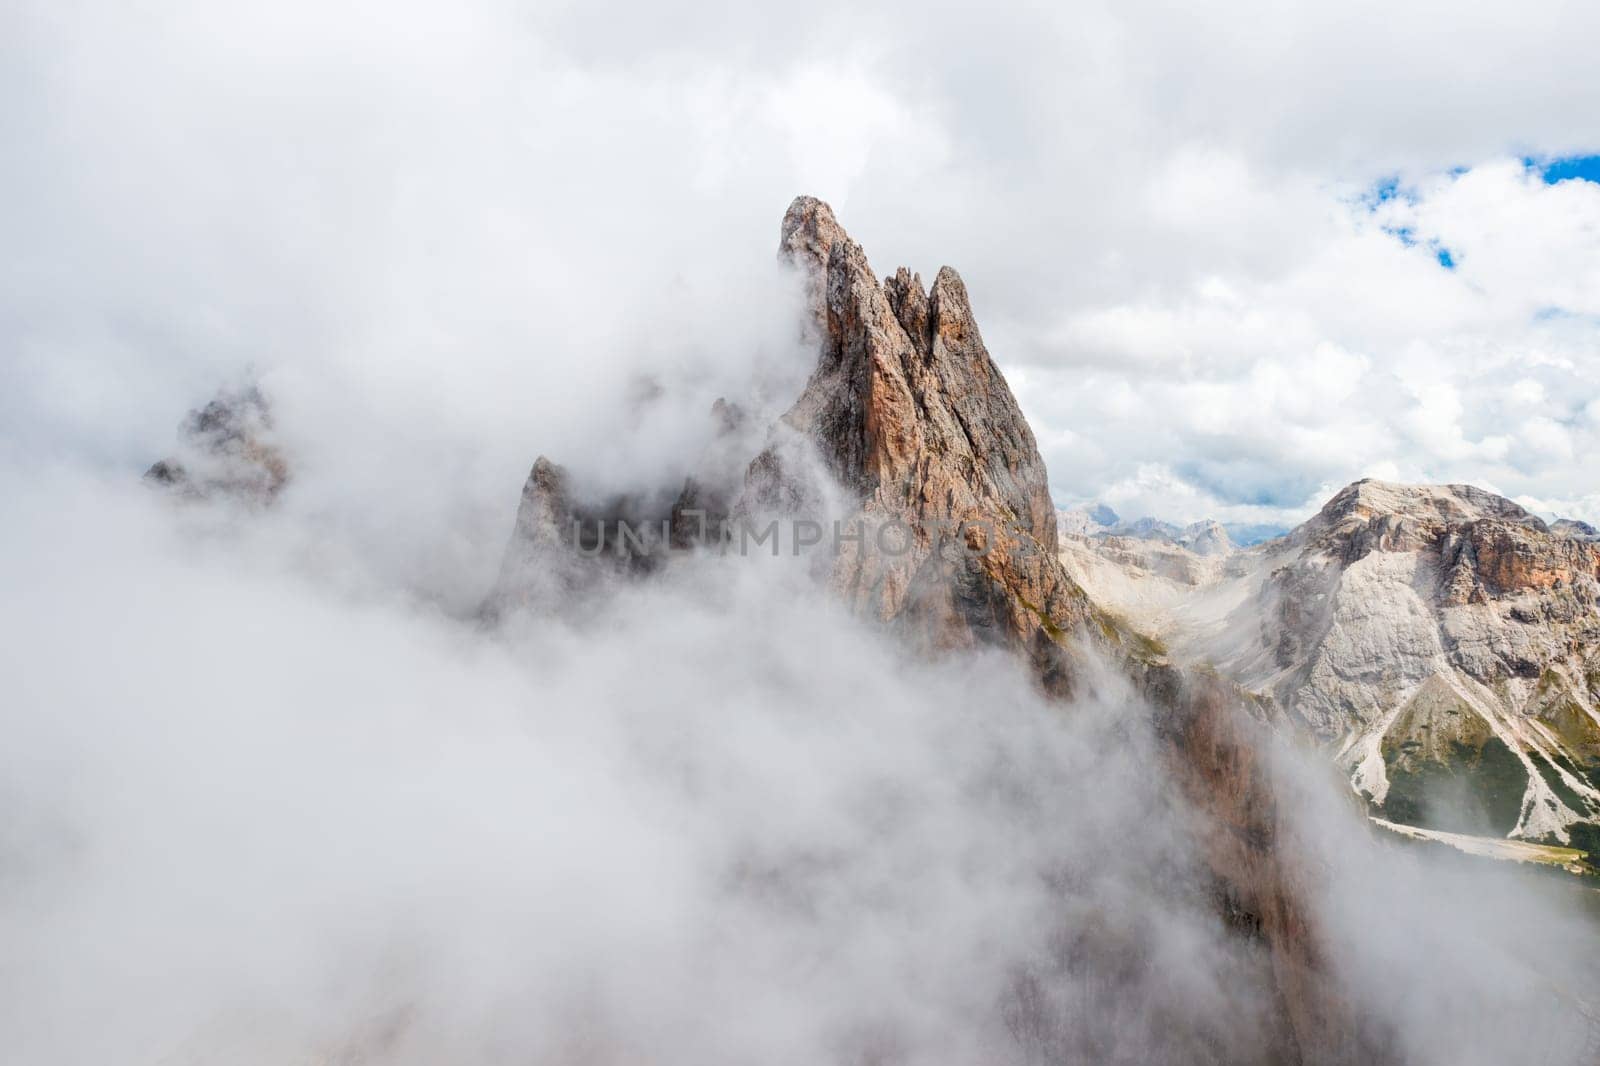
(226,450)
(907,435)
(569,540)
(907,415)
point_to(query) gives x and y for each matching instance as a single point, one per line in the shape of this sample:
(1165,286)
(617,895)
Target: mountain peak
(1104,515)
(1206,537)
(227,449)
(1451,504)
(915,422)
(1572,527)
(809,233)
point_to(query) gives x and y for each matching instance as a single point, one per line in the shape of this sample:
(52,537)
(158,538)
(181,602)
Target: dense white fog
(254,814)
(261,807)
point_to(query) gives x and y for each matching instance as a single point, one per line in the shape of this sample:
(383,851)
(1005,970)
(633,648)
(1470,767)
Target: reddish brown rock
(1512,558)
(909,414)
(1251,846)
(907,411)
(1489,546)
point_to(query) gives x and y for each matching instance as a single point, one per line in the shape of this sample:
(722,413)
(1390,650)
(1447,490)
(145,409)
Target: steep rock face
(1445,642)
(907,412)
(226,450)
(1252,846)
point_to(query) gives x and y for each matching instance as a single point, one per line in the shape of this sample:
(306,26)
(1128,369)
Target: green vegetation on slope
(1471,790)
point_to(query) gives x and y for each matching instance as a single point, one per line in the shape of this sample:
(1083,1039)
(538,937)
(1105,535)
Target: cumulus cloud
(1368,356)
(1166,223)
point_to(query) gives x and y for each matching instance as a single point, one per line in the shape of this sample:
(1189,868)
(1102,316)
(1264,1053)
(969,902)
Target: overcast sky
(1231,257)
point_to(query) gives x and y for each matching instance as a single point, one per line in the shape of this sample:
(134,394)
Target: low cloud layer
(261,808)
(257,815)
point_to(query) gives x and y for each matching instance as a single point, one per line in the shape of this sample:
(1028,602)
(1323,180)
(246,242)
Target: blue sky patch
(1408,237)
(1385,189)
(1582,167)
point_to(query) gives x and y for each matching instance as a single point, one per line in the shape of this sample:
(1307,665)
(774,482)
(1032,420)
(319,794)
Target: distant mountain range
(1206,536)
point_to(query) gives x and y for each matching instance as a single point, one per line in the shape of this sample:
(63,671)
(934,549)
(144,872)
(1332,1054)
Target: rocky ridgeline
(1205,538)
(907,424)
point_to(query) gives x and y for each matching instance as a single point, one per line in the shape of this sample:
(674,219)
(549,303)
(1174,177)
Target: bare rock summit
(226,450)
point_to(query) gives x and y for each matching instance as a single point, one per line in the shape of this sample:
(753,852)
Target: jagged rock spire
(911,416)
(809,233)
